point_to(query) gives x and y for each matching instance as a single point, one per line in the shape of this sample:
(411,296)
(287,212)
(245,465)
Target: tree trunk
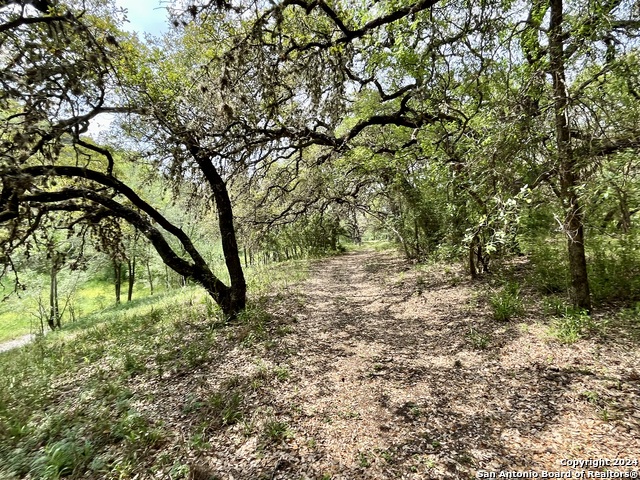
(569,181)
(416,238)
(580,293)
(53,320)
(131,264)
(473,271)
(234,302)
(117,279)
(55,300)
(625,221)
(149,276)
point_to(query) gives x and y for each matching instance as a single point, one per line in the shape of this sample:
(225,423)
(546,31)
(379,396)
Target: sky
(145,16)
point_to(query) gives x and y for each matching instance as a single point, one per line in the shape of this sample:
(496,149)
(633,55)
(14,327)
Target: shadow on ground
(394,373)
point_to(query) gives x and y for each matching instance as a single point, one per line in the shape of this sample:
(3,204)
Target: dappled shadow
(397,373)
(347,305)
(373,369)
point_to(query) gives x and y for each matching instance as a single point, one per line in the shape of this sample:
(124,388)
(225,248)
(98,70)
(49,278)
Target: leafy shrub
(614,270)
(550,270)
(507,303)
(576,324)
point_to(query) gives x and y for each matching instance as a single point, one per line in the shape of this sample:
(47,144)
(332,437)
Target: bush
(550,270)
(507,304)
(576,324)
(554,306)
(614,270)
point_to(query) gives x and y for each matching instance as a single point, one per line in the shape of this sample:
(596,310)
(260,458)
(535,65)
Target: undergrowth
(573,325)
(72,405)
(507,302)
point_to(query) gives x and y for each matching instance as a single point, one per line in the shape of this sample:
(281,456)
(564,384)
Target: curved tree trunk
(234,299)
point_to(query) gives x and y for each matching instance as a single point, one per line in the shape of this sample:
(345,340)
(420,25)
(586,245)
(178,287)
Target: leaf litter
(371,369)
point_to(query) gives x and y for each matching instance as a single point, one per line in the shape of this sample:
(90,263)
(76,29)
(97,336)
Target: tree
(59,74)
(589,35)
(245,110)
(418,113)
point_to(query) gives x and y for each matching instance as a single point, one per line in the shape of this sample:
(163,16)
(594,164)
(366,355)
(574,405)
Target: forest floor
(371,368)
(397,373)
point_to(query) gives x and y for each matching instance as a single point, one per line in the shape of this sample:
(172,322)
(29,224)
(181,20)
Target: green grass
(77,423)
(14,324)
(262,278)
(479,341)
(507,302)
(69,405)
(277,431)
(576,324)
(20,315)
(83,422)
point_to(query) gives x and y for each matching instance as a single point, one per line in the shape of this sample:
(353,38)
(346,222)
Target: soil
(400,373)
(16,342)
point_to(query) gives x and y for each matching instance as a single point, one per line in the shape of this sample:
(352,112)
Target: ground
(386,378)
(16,342)
(372,368)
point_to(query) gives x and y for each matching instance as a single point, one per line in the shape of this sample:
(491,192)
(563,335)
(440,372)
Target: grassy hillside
(70,402)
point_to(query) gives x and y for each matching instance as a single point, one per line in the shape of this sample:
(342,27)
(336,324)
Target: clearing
(370,368)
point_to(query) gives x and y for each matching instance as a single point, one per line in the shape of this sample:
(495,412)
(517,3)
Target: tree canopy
(450,125)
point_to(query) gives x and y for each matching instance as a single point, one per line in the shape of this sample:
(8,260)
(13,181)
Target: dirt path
(395,374)
(16,342)
(373,369)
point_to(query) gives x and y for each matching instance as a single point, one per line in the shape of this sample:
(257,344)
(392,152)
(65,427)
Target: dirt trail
(373,369)
(399,374)
(16,342)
